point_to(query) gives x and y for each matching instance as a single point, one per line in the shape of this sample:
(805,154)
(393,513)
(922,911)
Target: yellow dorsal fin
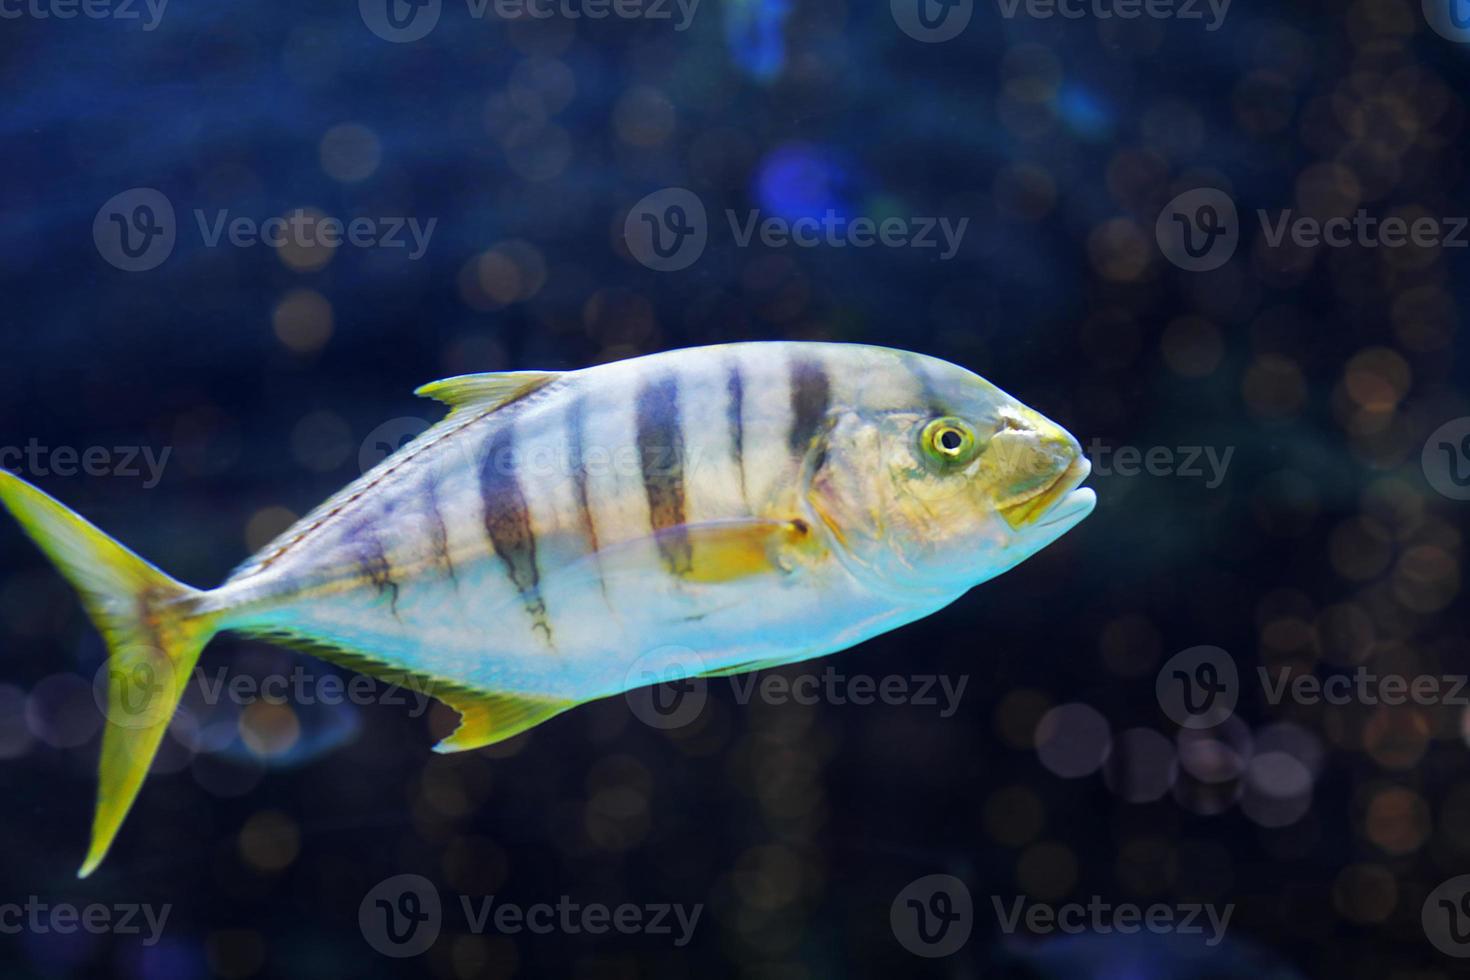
(489,718)
(485,392)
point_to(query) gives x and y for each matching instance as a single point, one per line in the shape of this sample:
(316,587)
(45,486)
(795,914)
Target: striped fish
(562,537)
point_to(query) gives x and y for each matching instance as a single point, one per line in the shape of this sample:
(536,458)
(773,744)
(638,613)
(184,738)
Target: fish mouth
(1057,502)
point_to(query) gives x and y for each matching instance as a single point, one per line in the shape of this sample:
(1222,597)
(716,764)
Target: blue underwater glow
(755,30)
(804,180)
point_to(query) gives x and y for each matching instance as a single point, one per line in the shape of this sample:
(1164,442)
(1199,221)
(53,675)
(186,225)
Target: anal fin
(489,718)
(486,717)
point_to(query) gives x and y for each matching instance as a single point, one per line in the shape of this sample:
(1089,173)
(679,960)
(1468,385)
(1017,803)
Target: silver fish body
(561,537)
(535,548)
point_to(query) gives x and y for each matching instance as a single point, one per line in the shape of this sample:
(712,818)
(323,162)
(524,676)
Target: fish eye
(950,441)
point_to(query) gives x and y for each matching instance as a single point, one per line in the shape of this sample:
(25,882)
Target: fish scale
(561,537)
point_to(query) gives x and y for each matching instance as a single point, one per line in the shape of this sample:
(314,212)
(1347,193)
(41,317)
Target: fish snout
(1049,465)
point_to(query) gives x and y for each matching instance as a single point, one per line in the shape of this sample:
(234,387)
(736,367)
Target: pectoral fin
(489,718)
(728,551)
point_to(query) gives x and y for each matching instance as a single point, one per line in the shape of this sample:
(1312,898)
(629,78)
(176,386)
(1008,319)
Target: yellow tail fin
(154,637)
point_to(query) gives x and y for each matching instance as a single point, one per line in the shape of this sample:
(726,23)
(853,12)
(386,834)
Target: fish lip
(1072,507)
(1059,500)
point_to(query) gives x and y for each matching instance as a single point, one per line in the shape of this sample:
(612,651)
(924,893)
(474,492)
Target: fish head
(939,493)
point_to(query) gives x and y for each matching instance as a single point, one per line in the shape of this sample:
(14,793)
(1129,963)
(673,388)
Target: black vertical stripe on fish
(930,398)
(577,464)
(811,397)
(735,418)
(508,525)
(372,559)
(660,438)
(438,532)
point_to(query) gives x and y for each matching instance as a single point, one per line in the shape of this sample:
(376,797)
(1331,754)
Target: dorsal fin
(485,392)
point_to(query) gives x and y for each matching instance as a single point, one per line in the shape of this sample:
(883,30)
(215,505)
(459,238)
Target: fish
(562,536)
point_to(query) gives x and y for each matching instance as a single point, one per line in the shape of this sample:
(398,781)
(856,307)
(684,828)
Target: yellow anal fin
(489,718)
(486,717)
(727,551)
(485,392)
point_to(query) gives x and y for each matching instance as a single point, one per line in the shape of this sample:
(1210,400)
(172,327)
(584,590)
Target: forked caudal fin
(153,636)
